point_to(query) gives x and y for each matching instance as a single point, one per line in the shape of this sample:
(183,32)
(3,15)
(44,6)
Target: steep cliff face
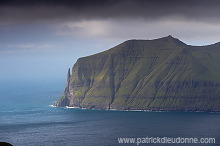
(161,74)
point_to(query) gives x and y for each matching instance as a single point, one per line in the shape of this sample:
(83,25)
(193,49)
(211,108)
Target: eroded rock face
(161,74)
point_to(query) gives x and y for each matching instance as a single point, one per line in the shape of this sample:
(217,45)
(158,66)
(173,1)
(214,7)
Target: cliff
(160,74)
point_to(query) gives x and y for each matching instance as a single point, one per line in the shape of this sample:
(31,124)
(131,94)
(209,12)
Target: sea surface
(27,119)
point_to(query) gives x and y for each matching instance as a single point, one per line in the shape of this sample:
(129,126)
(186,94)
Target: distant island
(164,74)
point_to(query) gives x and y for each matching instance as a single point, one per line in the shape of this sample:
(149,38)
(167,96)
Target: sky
(41,39)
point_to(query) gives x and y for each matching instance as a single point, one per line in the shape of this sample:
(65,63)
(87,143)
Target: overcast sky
(42,38)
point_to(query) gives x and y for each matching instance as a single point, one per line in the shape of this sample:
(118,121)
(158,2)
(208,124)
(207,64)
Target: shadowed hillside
(160,74)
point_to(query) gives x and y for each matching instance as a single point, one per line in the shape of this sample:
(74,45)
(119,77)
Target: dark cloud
(69,3)
(12,11)
(190,20)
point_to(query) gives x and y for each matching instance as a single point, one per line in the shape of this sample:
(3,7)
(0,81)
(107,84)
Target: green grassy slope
(161,74)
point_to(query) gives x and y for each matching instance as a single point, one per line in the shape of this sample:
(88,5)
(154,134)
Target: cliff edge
(160,74)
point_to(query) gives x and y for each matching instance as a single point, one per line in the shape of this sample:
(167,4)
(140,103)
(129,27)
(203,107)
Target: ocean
(26,118)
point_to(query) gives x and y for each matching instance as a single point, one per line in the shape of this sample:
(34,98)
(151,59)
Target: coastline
(136,110)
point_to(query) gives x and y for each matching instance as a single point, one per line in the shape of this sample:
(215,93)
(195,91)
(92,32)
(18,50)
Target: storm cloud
(194,21)
(23,11)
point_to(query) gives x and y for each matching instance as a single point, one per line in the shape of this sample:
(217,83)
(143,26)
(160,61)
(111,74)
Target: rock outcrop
(160,74)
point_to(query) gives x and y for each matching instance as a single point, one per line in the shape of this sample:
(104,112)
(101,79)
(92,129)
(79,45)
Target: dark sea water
(27,119)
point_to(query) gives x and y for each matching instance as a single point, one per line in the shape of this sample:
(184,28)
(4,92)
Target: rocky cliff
(160,74)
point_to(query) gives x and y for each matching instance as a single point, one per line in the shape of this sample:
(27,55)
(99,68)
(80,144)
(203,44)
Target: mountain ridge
(159,74)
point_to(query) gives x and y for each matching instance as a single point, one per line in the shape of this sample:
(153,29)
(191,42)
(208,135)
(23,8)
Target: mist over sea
(26,118)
